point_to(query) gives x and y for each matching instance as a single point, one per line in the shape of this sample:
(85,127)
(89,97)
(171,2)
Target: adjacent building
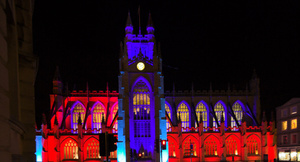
(18,67)
(198,125)
(288,131)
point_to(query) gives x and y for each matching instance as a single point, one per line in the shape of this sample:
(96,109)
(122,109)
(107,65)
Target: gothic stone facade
(198,125)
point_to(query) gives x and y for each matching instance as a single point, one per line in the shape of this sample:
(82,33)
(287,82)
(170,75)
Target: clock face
(140,66)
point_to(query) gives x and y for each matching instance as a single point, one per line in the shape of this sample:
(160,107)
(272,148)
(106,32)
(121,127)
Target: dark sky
(217,42)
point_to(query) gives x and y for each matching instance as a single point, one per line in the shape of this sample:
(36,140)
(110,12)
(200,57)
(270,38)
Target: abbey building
(197,125)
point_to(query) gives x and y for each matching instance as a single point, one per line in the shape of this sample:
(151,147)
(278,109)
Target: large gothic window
(219,109)
(189,147)
(211,147)
(98,114)
(168,111)
(115,127)
(231,146)
(202,109)
(183,112)
(70,150)
(78,109)
(237,110)
(141,115)
(253,145)
(92,150)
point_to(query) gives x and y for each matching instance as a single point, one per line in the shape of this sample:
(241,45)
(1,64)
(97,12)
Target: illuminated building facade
(198,125)
(288,131)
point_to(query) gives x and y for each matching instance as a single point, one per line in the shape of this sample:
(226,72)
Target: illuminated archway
(253,145)
(91,149)
(237,109)
(168,111)
(232,144)
(211,146)
(190,146)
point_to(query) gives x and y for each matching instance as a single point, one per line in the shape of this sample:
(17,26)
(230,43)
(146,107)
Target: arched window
(115,127)
(238,112)
(219,109)
(253,145)
(211,147)
(92,150)
(183,111)
(78,109)
(98,113)
(167,108)
(231,146)
(189,147)
(201,108)
(70,150)
(141,115)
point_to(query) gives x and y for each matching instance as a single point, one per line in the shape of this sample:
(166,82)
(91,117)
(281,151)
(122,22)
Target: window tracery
(70,150)
(252,145)
(167,108)
(201,108)
(219,110)
(211,148)
(98,114)
(183,111)
(77,110)
(231,147)
(238,112)
(92,150)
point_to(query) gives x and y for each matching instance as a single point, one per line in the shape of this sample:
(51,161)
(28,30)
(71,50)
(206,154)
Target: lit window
(253,145)
(168,111)
(77,110)
(237,110)
(98,114)
(294,110)
(70,150)
(115,127)
(218,110)
(294,124)
(211,148)
(284,125)
(183,111)
(141,116)
(201,108)
(92,150)
(231,147)
(189,148)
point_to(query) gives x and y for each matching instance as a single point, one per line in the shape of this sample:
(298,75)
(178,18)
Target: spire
(44,120)
(57,74)
(139,12)
(129,27)
(264,117)
(150,26)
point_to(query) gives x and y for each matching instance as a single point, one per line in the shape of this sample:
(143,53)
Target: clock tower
(141,121)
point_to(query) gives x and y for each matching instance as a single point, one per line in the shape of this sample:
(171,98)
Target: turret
(129,26)
(150,26)
(57,84)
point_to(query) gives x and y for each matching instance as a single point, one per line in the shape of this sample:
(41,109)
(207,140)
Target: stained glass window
(92,150)
(253,145)
(218,110)
(115,127)
(189,147)
(211,148)
(183,111)
(70,150)
(167,108)
(231,146)
(141,115)
(77,110)
(238,112)
(98,113)
(201,108)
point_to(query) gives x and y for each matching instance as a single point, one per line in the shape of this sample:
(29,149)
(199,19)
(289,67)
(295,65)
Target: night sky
(208,42)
